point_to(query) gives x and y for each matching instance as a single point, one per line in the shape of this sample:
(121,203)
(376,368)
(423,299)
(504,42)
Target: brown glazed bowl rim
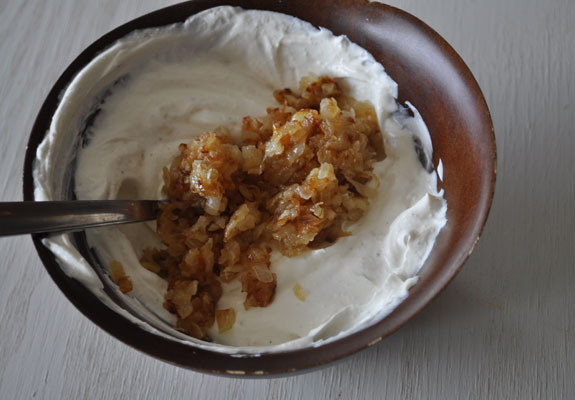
(344,13)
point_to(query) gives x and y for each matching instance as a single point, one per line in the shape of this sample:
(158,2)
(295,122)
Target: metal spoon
(17,218)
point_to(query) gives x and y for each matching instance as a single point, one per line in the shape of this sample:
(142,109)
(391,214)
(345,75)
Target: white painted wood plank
(504,328)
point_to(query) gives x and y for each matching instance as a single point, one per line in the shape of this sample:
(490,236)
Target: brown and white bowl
(428,72)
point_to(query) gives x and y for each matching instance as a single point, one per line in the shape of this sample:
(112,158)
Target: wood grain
(504,328)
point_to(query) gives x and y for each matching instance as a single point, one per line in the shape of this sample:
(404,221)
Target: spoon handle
(17,218)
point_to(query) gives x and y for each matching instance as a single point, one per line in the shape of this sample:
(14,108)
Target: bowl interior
(430,75)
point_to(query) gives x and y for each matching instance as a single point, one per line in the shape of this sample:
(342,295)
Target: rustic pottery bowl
(429,73)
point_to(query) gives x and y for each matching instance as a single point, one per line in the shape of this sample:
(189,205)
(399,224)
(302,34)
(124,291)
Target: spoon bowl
(429,73)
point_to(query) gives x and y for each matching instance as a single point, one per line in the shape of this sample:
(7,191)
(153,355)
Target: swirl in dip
(123,116)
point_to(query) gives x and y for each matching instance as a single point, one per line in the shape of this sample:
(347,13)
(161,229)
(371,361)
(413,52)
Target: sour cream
(157,88)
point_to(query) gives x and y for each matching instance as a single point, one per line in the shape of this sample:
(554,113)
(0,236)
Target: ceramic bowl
(429,73)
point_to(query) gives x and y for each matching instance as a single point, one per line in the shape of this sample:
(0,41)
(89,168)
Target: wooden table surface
(503,329)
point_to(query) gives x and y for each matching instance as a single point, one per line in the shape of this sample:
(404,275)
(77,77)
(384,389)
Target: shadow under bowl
(429,73)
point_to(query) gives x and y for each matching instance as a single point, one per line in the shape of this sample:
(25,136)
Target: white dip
(162,87)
